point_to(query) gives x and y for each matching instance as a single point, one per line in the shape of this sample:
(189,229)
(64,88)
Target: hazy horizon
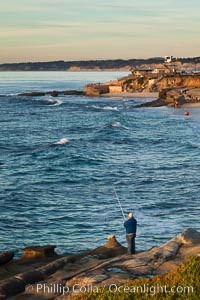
(71,30)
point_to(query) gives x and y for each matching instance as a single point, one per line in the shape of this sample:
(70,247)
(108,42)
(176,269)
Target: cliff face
(146,83)
(150,83)
(178,81)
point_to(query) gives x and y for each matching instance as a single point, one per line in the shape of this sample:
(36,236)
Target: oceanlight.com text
(112,288)
(150,289)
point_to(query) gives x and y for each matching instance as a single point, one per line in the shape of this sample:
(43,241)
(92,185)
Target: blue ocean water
(60,158)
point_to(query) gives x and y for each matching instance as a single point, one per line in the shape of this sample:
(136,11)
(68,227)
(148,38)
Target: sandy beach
(132,95)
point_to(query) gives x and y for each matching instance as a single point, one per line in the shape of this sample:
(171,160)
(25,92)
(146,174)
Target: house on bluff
(143,79)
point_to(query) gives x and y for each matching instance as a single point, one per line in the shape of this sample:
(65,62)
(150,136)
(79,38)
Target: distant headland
(97,65)
(171,81)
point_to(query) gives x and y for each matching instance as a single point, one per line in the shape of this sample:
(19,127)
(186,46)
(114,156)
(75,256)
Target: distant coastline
(70,71)
(96,65)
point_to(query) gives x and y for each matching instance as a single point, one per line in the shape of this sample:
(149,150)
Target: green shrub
(140,80)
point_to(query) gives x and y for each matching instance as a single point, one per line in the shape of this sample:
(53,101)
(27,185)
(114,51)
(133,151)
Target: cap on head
(130,215)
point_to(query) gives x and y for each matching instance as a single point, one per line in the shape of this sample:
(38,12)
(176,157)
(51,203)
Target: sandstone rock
(30,277)
(111,249)
(100,266)
(167,250)
(112,242)
(96,89)
(53,266)
(99,278)
(38,251)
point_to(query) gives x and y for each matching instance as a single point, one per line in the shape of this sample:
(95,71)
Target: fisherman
(131,227)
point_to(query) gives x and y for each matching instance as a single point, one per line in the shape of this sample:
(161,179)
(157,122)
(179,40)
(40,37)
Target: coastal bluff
(47,274)
(168,84)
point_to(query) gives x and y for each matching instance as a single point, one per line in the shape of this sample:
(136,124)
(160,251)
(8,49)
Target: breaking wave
(97,107)
(116,124)
(62,141)
(53,102)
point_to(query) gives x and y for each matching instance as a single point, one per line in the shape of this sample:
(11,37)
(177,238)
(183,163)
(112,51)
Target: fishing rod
(119,203)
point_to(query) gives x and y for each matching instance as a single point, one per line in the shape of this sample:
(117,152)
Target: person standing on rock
(131,227)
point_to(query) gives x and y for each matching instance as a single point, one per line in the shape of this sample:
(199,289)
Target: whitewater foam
(61,141)
(104,108)
(110,108)
(116,124)
(53,102)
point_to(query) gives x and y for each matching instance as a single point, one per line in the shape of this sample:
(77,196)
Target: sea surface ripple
(61,157)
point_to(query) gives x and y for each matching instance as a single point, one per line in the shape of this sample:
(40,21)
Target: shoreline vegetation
(43,274)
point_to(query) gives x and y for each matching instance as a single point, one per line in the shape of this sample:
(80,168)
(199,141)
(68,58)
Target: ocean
(60,159)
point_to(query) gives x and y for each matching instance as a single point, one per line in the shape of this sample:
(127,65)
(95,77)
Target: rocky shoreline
(52,93)
(171,97)
(175,97)
(43,274)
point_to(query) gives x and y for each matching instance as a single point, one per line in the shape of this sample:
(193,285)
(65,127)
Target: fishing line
(119,202)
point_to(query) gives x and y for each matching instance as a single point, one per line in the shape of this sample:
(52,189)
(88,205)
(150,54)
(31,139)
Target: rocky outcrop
(155,103)
(51,278)
(39,251)
(96,89)
(52,93)
(32,94)
(147,82)
(175,97)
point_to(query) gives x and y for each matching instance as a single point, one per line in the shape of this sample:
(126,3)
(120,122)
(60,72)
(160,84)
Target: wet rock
(54,94)
(115,270)
(12,286)
(154,103)
(73,92)
(32,94)
(31,276)
(5,257)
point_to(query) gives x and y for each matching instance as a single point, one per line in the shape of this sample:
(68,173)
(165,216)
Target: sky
(46,30)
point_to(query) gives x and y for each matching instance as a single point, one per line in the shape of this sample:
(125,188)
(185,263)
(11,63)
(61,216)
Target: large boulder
(110,249)
(39,251)
(189,237)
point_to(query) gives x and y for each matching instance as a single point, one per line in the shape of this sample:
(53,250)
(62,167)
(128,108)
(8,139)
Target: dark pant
(131,243)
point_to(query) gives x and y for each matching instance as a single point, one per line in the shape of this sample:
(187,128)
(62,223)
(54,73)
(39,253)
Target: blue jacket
(131,225)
